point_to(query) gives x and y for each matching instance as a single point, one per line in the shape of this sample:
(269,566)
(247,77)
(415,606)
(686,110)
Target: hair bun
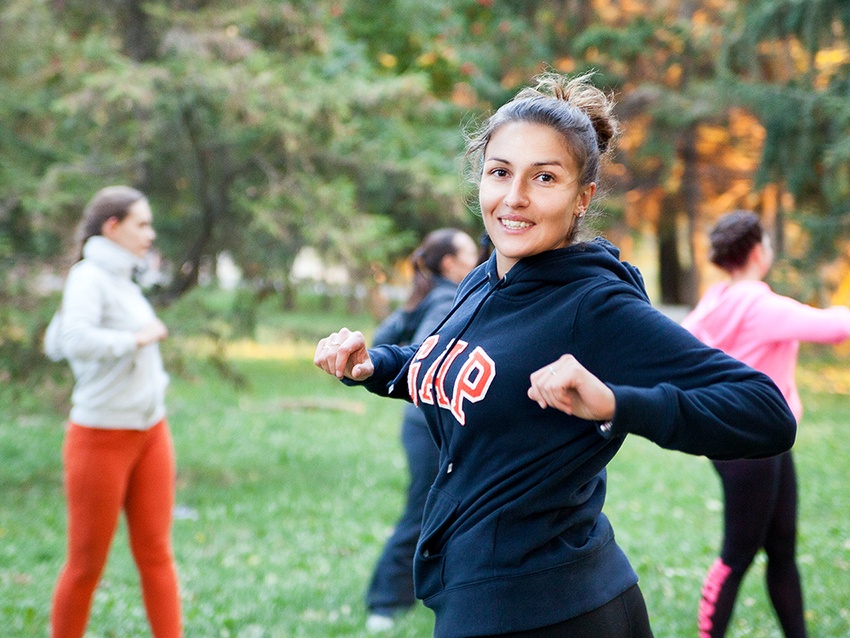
(580,93)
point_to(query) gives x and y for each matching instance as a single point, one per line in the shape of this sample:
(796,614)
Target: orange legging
(107,471)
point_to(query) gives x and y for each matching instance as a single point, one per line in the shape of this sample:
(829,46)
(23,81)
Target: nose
(517,196)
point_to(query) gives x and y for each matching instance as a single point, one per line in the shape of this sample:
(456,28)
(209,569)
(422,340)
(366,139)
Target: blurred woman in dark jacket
(440,262)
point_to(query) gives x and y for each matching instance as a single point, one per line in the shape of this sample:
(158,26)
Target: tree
(788,62)
(260,126)
(234,121)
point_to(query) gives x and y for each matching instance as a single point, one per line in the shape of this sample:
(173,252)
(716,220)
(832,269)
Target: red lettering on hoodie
(413,371)
(474,380)
(442,398)
(472,383)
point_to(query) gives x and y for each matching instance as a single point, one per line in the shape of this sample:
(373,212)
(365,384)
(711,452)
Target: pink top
(750,322)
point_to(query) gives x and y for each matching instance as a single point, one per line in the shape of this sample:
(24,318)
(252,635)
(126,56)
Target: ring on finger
(552,370)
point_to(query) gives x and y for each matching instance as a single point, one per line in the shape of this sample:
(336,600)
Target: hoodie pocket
(438,516)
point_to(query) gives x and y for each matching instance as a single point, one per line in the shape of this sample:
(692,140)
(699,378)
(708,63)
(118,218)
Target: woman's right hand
(344,354)
(568,386)
(150,333)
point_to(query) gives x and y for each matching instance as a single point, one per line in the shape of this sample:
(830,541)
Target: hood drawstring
(403,373)
(460,303)
(450,345)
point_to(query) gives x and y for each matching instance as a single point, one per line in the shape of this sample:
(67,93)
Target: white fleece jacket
(118,385)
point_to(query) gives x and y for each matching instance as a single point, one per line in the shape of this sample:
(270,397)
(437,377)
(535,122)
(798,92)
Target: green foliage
(806,114)
(235,126)
(811,22)
(31,379)
(257,126)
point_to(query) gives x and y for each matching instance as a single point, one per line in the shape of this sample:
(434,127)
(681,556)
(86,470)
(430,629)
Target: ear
(583,199)
(108,227)
(446,264)
(759,255)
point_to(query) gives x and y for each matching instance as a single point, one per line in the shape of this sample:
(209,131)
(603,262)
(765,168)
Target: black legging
(623,617)
(760,512)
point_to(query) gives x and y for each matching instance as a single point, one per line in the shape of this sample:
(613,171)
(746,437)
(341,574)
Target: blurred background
(330,130)
(294,153)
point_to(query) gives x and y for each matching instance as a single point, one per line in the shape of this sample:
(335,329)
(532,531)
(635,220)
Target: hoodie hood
(597,258)
(718,318)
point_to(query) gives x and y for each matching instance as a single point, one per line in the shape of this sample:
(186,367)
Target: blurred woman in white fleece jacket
(118,453)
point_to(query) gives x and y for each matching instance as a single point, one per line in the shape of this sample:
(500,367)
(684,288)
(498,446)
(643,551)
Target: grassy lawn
(290,482)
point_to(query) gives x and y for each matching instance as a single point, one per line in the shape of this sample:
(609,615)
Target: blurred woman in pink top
(747,320)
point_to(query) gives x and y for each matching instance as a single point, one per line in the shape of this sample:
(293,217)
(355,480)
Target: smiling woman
(550,356)
(532,201)
(536,164)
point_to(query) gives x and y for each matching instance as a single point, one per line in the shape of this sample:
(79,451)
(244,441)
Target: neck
(744,274)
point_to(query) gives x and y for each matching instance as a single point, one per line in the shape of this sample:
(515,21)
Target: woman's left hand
(568,386)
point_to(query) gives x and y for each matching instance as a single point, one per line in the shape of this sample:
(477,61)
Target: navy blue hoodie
(513,533)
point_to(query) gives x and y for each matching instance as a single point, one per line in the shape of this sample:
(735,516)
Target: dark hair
(580,112)
(427,262)
(733,238)
(112,201)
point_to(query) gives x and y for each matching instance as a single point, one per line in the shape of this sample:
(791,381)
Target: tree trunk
(581,11)
(692,198)
(669,267)
(212,200)
(138,39)
(289,296)
(779,226)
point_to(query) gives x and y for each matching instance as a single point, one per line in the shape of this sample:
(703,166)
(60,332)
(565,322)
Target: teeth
(513,224)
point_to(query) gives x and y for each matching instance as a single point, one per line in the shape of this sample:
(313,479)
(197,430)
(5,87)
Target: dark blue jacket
(513,533)
(412,326)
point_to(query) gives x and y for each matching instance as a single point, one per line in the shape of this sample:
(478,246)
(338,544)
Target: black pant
(623,617)
(391,589)
(760,512)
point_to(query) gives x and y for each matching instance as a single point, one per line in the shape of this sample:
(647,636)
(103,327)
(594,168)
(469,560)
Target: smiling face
(135,232)
(530,194)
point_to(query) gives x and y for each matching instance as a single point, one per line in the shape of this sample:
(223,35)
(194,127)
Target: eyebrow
(543,163)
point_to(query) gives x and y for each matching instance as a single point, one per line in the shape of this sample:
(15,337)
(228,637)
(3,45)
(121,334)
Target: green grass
(296,481)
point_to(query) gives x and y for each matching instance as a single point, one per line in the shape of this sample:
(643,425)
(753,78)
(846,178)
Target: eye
(546,178)
(498,172)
